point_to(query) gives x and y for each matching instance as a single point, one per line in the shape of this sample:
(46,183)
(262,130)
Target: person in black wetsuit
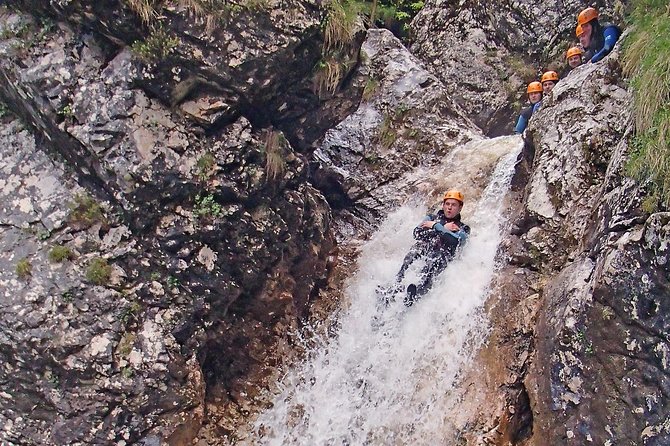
(438,238)
(534,91)
(597,40)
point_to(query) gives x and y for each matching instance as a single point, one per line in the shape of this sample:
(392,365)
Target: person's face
(575,61)
(451,207)
(585,36)
(547,86)
(534,98)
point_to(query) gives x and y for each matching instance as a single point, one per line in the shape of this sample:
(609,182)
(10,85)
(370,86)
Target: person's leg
(434,266)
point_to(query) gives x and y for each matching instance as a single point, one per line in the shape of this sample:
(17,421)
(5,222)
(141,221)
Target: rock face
(152,270)
(486,52)
(579,346)
(405,120)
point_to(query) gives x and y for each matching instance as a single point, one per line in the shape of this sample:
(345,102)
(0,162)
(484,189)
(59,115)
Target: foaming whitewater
(385,378)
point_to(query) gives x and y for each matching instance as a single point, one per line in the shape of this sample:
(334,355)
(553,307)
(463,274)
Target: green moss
(98,271)
(371,86)
(60,253)
(24,269)
(646,60)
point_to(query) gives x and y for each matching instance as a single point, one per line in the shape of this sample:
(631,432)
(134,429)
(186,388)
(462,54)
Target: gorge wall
(207,204)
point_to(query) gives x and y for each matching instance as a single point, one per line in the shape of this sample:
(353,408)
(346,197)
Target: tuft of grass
(275,145)
(205,165)
(60,253)
(158,45)
(24,269)
(339,24)
(85,211)
(146,10)
(646,60)
(98,271)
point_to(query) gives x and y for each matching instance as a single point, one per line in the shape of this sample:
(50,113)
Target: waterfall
(386,377)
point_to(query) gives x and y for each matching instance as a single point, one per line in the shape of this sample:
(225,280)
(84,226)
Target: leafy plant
(173,282)
(206,206)
(60,253)
(130,312)
(24,269)
(4,110)
(98,271)
(646,60)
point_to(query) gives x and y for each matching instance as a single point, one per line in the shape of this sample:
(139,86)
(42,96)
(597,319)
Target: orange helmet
(579,31)
(453,193)
(587,15)
(549,76)
(534,87)
(574,51)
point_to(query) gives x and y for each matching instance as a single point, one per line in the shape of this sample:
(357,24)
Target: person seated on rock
(534,91)
(598,40)
(548,80)
(574,57)
(438,238)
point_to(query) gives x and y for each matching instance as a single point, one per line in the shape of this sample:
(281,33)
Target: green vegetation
(205,166)
(85,211)
(24,269)
(647,61)
(371,86)
(173,282)
(158,45)
(206,206)
(60,253)
(125,345)
(274,146)
(4,110)
(130,312)
(98,271)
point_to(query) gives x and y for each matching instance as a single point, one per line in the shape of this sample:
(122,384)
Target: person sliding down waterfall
(438,238)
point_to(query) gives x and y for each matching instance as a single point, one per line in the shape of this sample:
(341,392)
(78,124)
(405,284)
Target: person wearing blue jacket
(534,91)
(438,238)
(598,40)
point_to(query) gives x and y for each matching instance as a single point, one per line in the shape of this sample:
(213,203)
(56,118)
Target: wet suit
(602,42)
(524,117)
(438,247)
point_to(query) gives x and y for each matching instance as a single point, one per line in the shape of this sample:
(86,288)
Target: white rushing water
(385,377)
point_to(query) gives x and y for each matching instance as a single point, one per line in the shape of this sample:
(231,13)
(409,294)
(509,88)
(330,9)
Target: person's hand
(428,224)
(451,226)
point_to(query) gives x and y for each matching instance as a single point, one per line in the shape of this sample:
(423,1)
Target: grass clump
(205,166)
(158,45)
(646,60)
(275,144)
(24,269)
(60,253)
(98,271)
(85,211)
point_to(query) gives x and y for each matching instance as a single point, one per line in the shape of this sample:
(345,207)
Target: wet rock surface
(405,120)
(486,52)
(578,348)
(186,258)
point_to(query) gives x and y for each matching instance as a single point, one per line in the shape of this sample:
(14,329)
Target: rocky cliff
(184,189)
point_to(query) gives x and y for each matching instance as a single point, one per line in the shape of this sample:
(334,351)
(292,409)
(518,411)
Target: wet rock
(485,54)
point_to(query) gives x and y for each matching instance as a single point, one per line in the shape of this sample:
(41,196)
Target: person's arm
(461,234)
(611,34)
(521,124)
(421,233)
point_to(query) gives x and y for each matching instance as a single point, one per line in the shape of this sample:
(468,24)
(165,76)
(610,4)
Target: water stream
(386,377)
